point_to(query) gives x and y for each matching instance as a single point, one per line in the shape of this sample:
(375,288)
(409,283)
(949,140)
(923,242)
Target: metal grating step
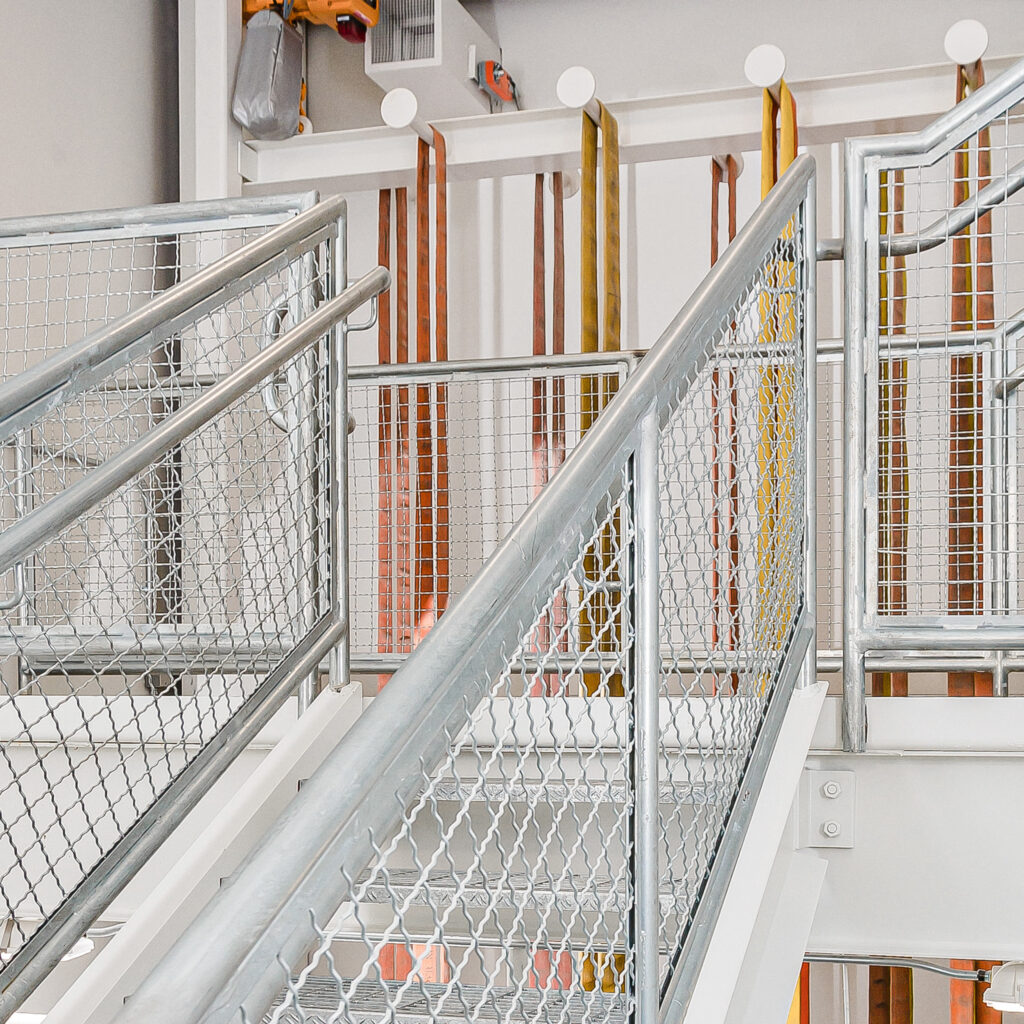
(558,793)
(584,893)
(319,1000)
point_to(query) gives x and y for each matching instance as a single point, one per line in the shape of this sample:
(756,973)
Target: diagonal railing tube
(231,954)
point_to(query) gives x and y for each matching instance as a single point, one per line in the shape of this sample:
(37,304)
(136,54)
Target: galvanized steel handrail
(863,157)
(159,215)
(43,385)
(231,953)
(50,518)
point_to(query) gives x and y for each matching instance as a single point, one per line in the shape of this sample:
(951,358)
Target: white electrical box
(430,47)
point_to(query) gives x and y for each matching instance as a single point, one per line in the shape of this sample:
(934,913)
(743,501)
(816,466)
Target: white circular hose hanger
(966,42)
(399,110)
(577,88)
(764,67)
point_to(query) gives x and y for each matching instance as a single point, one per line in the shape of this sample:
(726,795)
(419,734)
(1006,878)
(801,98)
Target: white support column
(209,41)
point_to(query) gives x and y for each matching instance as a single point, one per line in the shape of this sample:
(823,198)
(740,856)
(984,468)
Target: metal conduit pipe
(897,961)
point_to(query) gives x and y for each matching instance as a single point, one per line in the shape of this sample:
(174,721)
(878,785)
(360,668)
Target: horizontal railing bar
(983,636)
(42,952)
(694,665)
(456,367)
(50,518)
(30,386)
(229,956)
(953,341)
(956,219)
(160,215)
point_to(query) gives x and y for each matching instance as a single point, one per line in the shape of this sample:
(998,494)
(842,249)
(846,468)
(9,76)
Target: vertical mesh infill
(159,611)
(504,892)
(733,485)
(944,461)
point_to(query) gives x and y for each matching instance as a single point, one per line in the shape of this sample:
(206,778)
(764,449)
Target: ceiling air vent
(430,47)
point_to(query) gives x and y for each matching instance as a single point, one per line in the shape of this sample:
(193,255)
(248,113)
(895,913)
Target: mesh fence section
(504,892)
(154,616)
(588,711)
(498,434)
(733,479)
(944,333)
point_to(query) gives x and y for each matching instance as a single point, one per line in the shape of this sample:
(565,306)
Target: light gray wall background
(88,104)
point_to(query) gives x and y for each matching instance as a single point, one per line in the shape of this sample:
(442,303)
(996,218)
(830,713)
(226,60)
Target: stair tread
(423,1002)
(584,892)
(582,792)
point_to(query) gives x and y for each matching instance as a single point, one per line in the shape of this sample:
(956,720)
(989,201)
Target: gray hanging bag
(268,86)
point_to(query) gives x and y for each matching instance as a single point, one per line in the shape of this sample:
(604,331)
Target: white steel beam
(672,127)
(720,971)
(209,41)
(771,966)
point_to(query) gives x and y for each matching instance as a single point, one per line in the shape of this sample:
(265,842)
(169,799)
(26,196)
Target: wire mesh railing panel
(733,480)
(504,432)
(170,512)
(537,805)
(504,892)
(57,286)
(944,334)
(165,608)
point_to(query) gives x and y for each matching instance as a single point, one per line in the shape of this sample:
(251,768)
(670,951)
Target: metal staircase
(468,850)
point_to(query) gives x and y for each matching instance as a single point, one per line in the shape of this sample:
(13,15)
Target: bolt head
(831,789)
(830,829)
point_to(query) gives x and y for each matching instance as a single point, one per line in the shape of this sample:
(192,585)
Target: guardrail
(184,565)
(539,816)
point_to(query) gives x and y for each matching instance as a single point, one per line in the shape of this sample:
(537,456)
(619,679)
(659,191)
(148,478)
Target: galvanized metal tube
(157,216)
(854,710)
(47,520)
(25,389)
(229,957)
(956,219)
(896,961)
(647,595)
(340,669)
(810,370)
(527,364)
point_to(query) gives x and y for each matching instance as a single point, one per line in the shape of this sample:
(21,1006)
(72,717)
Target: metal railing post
(339,667)
(810,332)
(854,711)
(646,922)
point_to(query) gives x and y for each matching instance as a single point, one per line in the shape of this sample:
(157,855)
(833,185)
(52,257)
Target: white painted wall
(89,114)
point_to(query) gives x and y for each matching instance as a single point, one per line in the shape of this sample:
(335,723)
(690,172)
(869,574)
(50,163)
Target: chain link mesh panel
(514,857)
(733,479)
(501,878)
(152,618)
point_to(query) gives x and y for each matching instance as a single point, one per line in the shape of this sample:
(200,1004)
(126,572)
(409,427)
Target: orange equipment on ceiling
(350,17)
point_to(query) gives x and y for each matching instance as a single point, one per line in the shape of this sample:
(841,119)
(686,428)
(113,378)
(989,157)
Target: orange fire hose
(972,308)
(417,589)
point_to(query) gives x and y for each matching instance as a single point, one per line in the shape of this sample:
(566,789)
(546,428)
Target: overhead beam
(672,127)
